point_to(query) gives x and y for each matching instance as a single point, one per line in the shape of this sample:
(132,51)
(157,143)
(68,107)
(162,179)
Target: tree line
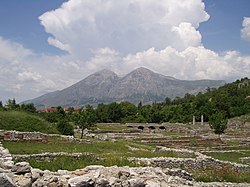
(228,101)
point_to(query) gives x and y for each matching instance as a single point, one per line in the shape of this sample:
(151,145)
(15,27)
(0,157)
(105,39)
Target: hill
(22,121)
(139,85)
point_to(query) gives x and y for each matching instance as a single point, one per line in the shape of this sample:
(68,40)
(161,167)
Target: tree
(102,113)
(28,107)
(65,128)
(85,119)
(90,115)
(218,123)
(11,104)
(80,120)
(114,112)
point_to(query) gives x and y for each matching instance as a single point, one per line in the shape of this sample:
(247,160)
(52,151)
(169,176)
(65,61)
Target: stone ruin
(19,136)
(157,173)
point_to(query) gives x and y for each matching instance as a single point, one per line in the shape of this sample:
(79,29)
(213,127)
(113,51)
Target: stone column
(202,119)
(193,120)
(12,135)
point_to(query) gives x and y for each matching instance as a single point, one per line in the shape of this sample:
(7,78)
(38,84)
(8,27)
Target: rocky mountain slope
(139,85)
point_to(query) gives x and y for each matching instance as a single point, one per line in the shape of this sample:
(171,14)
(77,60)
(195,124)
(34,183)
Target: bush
(65,128)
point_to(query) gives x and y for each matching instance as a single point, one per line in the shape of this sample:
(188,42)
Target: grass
(167,133)
(71,164)
(113,127)
(97,147)
(224,174)
(229,156)
(105,153)
(25,122)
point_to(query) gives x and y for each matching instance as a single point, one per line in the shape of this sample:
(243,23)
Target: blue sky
(46,45)
(19,22)
(222,31)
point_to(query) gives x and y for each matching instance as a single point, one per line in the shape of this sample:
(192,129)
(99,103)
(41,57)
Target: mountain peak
(105,72)
(142,70)
(105,86)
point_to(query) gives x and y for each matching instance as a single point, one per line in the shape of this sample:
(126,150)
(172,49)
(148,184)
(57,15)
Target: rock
(102,183)
(82,181)
(21,168)
(115,182)
(4,170)
(137,183)
(79,172)
(154,183)
(39,184)
(6,164)
(123,175)
(23,181)
(6,181)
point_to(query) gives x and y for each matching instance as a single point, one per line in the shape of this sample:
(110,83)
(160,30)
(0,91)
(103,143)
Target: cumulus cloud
(245,32)
(119,35)
(192,63)
(126,26)
(24,74)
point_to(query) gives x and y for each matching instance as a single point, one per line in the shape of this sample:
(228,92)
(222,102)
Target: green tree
(114,112)
(102,113)
(11,104)
(80,120)
(90,115)
(28,107)
(218,122)
(65,128)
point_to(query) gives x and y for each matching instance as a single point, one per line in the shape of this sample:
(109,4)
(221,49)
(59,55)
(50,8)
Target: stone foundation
(23,175)
(17,136)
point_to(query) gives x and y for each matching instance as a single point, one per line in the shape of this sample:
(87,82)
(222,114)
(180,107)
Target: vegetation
(65,128)
(229,100)
(230,156)
(85,119)
(218,123)
(98,152)
(23,121)
(213,174)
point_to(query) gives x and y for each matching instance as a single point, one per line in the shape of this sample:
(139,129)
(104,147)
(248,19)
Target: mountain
(139,85)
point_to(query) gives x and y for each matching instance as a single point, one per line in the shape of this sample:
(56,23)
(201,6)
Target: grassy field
(221,175)
(105,153)
(230,156)
(108,153)
(113,127)
(22,121)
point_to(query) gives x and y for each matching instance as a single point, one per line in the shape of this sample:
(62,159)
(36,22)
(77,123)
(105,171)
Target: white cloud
(245,32)
(24,75)
(188,36)
(126,26)
(192,63)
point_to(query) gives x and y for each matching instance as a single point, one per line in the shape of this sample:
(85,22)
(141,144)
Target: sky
(49,45)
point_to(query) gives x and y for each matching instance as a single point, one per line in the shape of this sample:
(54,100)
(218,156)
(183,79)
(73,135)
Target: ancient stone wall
(190,164)
(17,136)
(21,174)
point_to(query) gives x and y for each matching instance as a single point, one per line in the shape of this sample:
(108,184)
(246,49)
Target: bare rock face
(105,87)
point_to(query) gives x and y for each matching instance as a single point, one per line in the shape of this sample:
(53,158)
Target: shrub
(65,128)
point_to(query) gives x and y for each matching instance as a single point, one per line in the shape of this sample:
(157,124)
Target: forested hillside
(231,99)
